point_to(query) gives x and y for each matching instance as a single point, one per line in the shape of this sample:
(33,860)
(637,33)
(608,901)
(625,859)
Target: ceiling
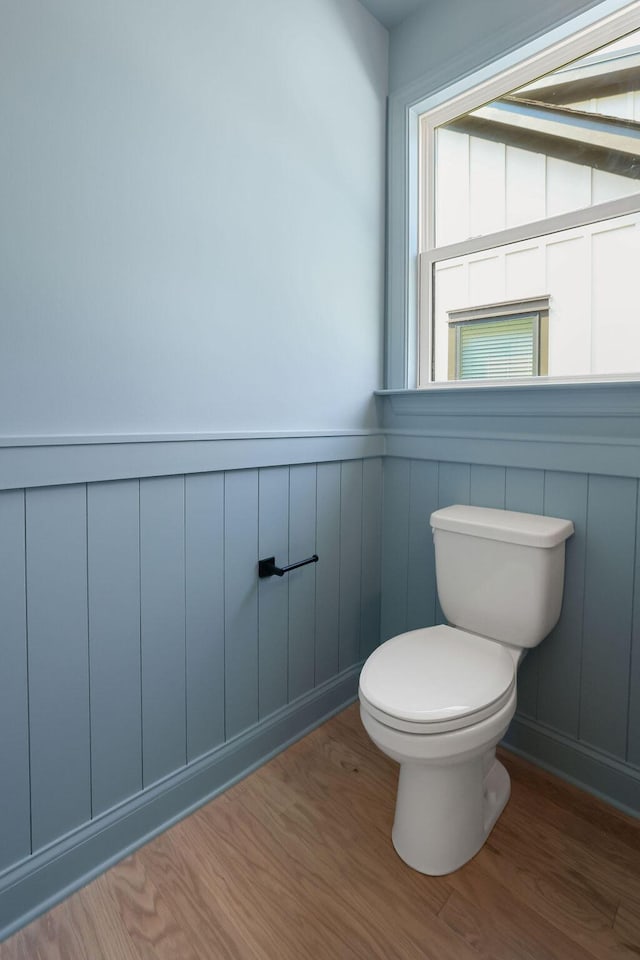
(392,12)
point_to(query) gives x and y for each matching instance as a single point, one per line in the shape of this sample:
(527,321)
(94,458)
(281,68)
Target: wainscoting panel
(371,556)
(204,624)
(487,486)
(350,562)
(145,665)
(634,667)
(579,691)
(241,600)
(142,656)
(524,489)
(15,816)
(421,573)
(113,566)
(273,593)
(454,483)
(162,626)
(57,619)
(608,609)
(302,582)
(327,652)
(395,553)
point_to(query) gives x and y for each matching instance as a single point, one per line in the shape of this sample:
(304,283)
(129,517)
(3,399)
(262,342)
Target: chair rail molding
(48,461)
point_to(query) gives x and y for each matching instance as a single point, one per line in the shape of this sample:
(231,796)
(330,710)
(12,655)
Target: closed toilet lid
(437,674)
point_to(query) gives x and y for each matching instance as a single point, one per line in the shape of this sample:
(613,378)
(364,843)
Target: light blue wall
(192,215)
(451,39)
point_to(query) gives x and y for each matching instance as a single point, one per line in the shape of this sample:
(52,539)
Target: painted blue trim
(591,428)
(615,459)
(402,244)
(37,462)
(69,863)
(471,67)
(576,427)
(614,782)
(70,440)
(598,398)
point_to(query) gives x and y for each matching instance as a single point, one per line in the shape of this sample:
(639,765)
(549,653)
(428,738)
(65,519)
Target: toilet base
(445,813)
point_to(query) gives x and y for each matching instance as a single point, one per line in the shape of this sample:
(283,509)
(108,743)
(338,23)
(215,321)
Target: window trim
(580,44)
(536,307)
(406,107)
(528,69)
(531,231)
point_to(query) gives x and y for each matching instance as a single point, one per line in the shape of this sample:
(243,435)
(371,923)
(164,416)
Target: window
(498,342)
(531,182)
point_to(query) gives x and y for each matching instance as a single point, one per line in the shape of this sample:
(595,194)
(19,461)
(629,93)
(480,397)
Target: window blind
(498,349)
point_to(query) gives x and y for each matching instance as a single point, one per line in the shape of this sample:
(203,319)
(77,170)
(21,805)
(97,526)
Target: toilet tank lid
(506,525)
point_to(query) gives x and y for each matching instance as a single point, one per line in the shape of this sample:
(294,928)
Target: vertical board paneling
(273,593)
(302,582)
(15,827)
(454,486)
(327,653)
(371,555)
(421,574)
(58,660)
(608,592)
(395,546)
(350,561)
(560,653)
(241,600)
(136,636)
(162,601)
(454,483)
(204,620)
(524,492)
(633,727)
(487,486)
(114,641)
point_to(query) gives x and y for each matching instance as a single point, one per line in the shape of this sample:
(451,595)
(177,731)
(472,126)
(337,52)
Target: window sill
(544,397)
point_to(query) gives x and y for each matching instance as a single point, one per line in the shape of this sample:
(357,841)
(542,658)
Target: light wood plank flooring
(296,862)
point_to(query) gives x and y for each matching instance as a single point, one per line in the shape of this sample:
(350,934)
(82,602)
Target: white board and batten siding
(588,272)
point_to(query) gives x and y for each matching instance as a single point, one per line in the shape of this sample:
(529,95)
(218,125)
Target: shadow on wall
(448,40)
(363,36)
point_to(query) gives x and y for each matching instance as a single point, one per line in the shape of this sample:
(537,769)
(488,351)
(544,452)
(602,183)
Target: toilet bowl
(439,699)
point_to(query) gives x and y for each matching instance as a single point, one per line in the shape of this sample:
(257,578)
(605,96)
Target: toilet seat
(436,679)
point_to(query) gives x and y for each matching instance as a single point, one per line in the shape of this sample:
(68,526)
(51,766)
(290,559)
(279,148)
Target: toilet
(439,699)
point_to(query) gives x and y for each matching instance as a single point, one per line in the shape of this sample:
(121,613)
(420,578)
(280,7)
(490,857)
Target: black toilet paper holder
(267,567)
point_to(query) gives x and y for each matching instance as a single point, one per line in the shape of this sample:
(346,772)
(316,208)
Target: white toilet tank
(500,574)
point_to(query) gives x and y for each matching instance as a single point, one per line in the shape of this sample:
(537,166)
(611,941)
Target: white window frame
(409,344)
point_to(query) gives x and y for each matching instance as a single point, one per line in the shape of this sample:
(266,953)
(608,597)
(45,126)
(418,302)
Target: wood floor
(296,862)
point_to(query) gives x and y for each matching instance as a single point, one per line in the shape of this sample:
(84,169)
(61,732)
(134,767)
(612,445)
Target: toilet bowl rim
(451,746)
(434,728)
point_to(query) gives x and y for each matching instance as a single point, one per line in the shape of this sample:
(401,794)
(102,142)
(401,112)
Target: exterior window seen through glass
(537,193)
